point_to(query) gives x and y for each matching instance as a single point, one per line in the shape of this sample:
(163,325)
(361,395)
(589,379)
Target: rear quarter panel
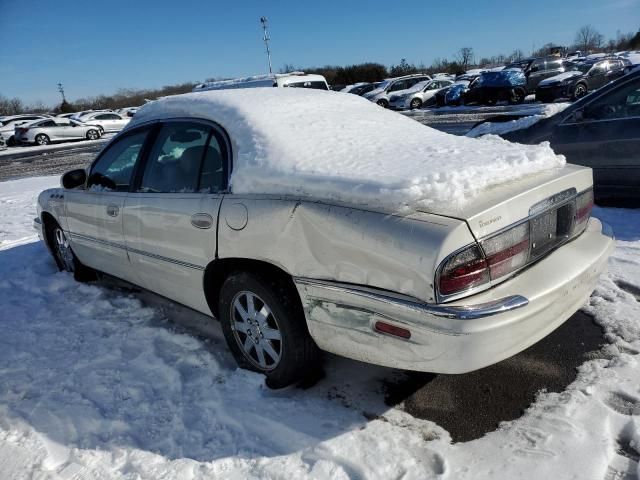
(316,240)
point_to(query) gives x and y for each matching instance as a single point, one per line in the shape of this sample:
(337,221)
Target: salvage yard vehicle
(284,214)
(105,121)
(380,95)
(43,132)
(415,96)
(492,87)
(8,125)
(538,69)
(580,79)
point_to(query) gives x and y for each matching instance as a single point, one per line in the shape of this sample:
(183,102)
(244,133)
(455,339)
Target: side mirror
(74,179)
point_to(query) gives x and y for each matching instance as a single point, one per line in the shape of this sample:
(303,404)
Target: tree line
(587,40)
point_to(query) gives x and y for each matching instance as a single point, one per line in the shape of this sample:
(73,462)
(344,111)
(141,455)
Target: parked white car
(308,221)
(415,96)
(388,86)
(43,132)
(9,123)
(106,121)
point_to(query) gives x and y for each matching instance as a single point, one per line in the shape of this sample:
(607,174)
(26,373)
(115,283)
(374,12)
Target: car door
(170,221)
(535,74)
(94,214)
(597,75)
(604,135)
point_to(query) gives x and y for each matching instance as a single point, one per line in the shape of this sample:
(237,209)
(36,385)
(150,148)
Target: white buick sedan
(306,221)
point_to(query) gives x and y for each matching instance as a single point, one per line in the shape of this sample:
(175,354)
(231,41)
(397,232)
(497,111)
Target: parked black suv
(537,69)
(580,79)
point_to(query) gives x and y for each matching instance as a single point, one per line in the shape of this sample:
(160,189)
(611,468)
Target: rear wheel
(93,134)
(383,103)
(101,130)
(265,329)
(415,103)
(11,141)
(42,139)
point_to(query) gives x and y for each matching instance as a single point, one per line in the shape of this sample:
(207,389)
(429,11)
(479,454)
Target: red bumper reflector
(392,330)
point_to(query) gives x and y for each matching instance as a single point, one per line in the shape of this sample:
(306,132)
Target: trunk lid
(506,204)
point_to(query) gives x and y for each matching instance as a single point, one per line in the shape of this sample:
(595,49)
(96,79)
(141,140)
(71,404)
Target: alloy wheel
(256,330)
(63,249)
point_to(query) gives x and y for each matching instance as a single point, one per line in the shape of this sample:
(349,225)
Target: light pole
(61,90)
(263,21)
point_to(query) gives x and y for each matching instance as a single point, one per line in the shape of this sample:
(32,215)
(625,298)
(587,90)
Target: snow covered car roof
(343,148)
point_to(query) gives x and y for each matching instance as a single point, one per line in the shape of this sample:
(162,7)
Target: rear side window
(48,123)
(113,170)
(186,158)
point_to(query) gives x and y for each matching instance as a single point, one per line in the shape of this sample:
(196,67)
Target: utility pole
(265,38)
(61,90)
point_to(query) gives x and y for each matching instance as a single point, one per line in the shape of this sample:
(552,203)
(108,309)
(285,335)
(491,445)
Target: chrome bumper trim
(463,312)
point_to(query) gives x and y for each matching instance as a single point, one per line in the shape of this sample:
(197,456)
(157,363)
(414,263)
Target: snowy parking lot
(101,382)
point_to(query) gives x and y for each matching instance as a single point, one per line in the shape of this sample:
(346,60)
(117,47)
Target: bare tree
(588,38)
(465,57)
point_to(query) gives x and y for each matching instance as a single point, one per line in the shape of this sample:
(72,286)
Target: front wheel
(265,328)
(383,103)
(93,134)
(517,96)
(580,91)
(63,255)
(42,139)
(415,103)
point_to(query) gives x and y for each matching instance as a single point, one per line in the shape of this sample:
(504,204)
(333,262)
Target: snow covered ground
(96,384)
(498,128)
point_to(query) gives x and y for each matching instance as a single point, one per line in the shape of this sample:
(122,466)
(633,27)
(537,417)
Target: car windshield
(583,67)
(384,84)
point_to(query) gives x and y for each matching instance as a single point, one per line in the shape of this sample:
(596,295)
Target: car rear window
(317,85)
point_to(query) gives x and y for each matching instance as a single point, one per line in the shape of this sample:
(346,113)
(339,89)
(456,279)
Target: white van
(293,79)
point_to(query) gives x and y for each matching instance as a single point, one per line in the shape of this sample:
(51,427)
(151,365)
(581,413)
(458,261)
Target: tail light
(584,205)
(514,248)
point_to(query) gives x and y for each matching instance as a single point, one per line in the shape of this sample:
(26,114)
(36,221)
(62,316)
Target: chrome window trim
(440,298)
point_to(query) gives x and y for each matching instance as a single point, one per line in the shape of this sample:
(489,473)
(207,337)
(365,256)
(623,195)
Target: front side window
(623,103)
(113,170)
(186,158)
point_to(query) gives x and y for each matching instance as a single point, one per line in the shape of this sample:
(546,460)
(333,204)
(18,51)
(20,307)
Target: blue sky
(95,48)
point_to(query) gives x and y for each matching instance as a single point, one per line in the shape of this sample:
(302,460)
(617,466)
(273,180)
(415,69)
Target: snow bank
(498,128)
(344,148)
(96,384)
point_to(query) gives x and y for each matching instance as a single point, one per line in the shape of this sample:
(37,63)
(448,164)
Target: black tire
(517,96)
(101,130)
(415,103)
(11,141)
(66,260)
(42,139)
(93,134)
(383,103)
(299,357)
(579,91)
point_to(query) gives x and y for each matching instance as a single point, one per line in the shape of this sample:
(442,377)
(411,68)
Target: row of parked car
(43,129)
(548,78)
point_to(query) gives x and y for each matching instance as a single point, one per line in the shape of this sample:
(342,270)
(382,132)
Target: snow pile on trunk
(343,148)
(499,128)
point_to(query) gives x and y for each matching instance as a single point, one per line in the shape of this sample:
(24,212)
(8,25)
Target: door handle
(113,210)
(201,220)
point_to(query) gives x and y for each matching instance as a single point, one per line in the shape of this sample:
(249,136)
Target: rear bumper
(465,335)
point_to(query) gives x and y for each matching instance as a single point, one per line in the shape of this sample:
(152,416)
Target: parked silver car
(380,95)
(415,96)
(106,121)
(10,122)
(292,273)
(43,132)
